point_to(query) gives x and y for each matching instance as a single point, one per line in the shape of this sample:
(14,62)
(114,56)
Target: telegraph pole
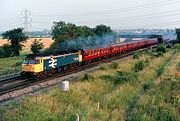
(26,19)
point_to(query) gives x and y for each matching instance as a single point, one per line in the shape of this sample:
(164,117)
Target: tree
(65,32)
(68,36)
(178,35)
(85,31)
(37,46)
(5,51)
(1,52)
(62,31)
(16,38)
(100,30)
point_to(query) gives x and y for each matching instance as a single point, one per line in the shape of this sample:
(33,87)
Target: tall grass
(10,65)
(121,77)
(118,92)
(161,101)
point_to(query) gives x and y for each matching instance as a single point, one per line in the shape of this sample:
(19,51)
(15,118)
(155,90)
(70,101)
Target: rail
(9,76)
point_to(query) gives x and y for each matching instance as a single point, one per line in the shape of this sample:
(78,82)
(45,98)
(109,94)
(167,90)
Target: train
(44,64)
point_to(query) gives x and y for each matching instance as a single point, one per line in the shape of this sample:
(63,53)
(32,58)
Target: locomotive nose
(27,68)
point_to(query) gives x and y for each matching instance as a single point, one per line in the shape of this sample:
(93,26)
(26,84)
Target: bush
(121,77)
(103,68)
(88,77)
(170,46)
(5,51)
(36,46)
(136,56)
(1,52)
(139,66)
(147,86)
(125,77)
(177,46)
(161,48)
(108,77)
(160,70)
(114,65)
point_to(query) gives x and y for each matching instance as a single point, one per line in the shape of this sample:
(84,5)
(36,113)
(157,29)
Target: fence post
(77,117)
(98,106)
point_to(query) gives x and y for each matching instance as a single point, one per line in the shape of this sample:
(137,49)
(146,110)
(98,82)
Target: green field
(7,65)
(144,89)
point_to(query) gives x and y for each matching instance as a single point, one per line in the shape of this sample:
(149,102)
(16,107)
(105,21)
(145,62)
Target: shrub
(125,77)
(103,68)
(88,77)
(36,46)
(155,52)
(1,52)
(139,66)
(136,56)
(108,77)
(170,46)
(160,70)
(114,65)
(177,46)
(147,86)
(161,48)
(121,77)
(5,51)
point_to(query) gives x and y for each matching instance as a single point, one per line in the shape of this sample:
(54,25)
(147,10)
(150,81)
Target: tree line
(61,32)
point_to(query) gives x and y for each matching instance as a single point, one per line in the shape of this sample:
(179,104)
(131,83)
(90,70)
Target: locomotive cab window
(31,61)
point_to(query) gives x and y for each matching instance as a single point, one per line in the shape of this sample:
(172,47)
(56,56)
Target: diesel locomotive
(44,64)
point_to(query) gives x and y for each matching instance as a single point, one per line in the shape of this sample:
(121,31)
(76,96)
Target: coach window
(87,53)
(92,53)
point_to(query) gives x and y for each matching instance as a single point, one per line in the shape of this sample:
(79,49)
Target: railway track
(18,83)
(4,82)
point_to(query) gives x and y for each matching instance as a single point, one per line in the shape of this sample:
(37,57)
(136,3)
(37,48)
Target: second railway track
(18,83)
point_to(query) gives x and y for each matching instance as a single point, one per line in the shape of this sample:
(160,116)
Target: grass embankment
(162,101)
(124,91)
(7,65)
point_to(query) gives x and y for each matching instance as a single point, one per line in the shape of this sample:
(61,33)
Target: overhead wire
(130,18)
(145,16)
(153,24)
(159,4)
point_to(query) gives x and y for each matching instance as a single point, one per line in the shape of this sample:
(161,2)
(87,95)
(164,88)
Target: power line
(9,19)
(167,13)
(158,4)
(153,15)
(141,17)
(154,24)
(16,21)
(8,24)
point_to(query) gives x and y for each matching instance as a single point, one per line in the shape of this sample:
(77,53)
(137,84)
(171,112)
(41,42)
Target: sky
(118,14)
